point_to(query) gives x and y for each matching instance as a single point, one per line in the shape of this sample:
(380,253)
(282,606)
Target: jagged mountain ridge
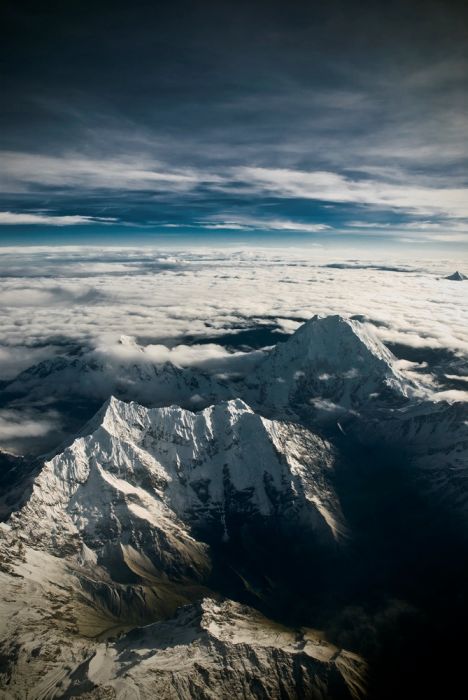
(107,537)
(231,649)
(209,649)
(171,465)
(331,371)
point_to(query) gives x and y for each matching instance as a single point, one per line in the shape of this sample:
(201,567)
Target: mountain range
(164,552)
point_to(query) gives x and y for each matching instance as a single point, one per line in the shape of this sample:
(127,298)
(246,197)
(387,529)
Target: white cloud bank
(184,307)
(89,296)
(207,356)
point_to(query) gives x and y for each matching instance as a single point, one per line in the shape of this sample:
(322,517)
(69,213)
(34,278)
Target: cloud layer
(61,297)
(213,309)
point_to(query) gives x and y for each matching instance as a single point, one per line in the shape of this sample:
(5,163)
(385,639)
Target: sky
(335,123)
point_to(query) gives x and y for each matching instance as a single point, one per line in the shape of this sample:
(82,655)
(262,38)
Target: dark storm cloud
(195,114)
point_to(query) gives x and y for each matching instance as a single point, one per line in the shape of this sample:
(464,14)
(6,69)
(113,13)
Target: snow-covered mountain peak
(332,364)
(339,343)
(131,421)
(126,524)
(144,478)
(129,341)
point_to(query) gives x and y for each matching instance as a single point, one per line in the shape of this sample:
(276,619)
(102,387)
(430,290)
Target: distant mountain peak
(327,336)
(336,363)
(456,276)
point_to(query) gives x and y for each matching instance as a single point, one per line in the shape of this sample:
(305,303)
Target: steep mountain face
(111,533)
(169,465)
(16,475)
(434,436)
(334,372)
(214,649)
(332,366)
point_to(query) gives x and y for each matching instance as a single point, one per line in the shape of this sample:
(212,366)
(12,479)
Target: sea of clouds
(215,310)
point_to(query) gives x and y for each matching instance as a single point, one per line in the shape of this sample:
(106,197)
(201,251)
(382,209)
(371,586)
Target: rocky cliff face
(214,649)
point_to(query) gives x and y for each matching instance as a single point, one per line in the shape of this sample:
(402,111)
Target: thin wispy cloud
(333,187)
(440,231)
(23,171)
(26,218)
(123,177)
(250,223)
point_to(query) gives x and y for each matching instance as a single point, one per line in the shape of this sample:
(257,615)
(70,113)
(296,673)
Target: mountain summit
(333,364)
(456,277)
